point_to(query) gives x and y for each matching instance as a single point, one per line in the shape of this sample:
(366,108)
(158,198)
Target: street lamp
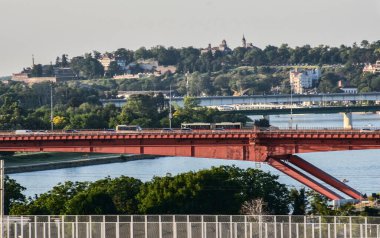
(170,107)
(291,105)
(51,108)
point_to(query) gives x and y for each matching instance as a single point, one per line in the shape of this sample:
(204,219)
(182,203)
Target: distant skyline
(50,28)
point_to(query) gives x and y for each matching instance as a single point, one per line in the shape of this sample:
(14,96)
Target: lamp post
(170,107)
(291,105)
(51,108)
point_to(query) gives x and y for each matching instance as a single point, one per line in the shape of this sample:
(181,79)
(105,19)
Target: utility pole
(291,105)
(51,108)
(1,197)
(170,107)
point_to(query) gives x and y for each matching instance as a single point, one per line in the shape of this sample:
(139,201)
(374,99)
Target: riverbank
(32,167)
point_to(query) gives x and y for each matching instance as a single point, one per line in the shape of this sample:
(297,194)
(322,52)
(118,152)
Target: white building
(350,90)
(372,68)
(303,79)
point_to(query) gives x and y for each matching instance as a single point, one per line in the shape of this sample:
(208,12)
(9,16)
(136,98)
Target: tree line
(79,107)
(219,190)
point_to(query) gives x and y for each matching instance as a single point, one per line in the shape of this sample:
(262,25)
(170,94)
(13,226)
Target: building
(106,60)
(246,45)
(223,47)
(166,69)
(372,68)
(64,73)
(148,64)
(304,79)
(350,90)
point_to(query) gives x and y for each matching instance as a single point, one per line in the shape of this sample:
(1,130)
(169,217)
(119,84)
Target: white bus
(128,128)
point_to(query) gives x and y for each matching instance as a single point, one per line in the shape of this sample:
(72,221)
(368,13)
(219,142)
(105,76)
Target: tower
(244,42)
(32,60)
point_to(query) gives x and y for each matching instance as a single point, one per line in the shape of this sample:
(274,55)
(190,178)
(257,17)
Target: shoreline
(75,163)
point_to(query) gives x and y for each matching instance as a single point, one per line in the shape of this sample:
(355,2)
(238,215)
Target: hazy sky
(48,28)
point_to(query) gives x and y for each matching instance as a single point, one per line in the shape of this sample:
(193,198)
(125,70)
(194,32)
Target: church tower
(244,42)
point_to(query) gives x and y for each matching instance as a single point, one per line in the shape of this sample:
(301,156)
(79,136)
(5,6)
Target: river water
(360,168)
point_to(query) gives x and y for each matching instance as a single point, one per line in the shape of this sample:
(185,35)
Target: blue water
(360,168)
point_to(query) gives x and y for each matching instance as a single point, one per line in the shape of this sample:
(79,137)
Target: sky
(50,28)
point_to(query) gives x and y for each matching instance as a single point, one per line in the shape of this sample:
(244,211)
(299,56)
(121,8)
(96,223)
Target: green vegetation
(78,106)
(220,190)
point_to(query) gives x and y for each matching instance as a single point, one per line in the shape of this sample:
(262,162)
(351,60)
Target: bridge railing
(160,131)
(189,226)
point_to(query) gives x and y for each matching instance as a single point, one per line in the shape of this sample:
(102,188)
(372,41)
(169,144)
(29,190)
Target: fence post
(22,226)
(35,226)
(297,230)
(90,224)
(117,226)
(312,230)
(282,230)
(49,233)
(245,226)
(345,230)
(72,229)
(216,227)
(174,227)
(188,226)
(328,230)
(103,227)
(76,227)
(275,226)
(231,229)
(146,226)
(335,233)
(365,226)
(350,227)
(159,227)
(63,226)
(320,227)
(290,226)
(131,227)
(304,227)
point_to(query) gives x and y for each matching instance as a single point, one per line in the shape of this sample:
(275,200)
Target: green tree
(12,194)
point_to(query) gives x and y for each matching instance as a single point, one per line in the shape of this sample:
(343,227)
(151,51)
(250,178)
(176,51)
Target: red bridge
(277,148)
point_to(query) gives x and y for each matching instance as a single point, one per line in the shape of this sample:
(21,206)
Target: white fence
(188,226)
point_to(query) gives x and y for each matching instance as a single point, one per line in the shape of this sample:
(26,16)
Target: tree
(52,202)
(12,194)
(220,190)
(94,201)
(298,201)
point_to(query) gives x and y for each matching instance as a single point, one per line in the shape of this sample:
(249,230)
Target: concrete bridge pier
(347,120)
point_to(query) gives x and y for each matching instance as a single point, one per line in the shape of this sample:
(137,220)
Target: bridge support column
(325,177)
(302,178)
(347,120)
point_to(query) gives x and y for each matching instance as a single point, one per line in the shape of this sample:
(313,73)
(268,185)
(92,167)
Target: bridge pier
(347,120)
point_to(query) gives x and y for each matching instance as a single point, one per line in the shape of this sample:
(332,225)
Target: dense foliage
(78,106)
(220,190)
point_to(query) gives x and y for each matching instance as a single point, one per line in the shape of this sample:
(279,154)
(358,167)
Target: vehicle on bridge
(23,131)
(128,128)
(212,126)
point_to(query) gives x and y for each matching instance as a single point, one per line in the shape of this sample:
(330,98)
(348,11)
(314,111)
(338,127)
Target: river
(360,168)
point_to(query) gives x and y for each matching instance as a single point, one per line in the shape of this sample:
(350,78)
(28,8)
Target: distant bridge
(277,99)
(307,110)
